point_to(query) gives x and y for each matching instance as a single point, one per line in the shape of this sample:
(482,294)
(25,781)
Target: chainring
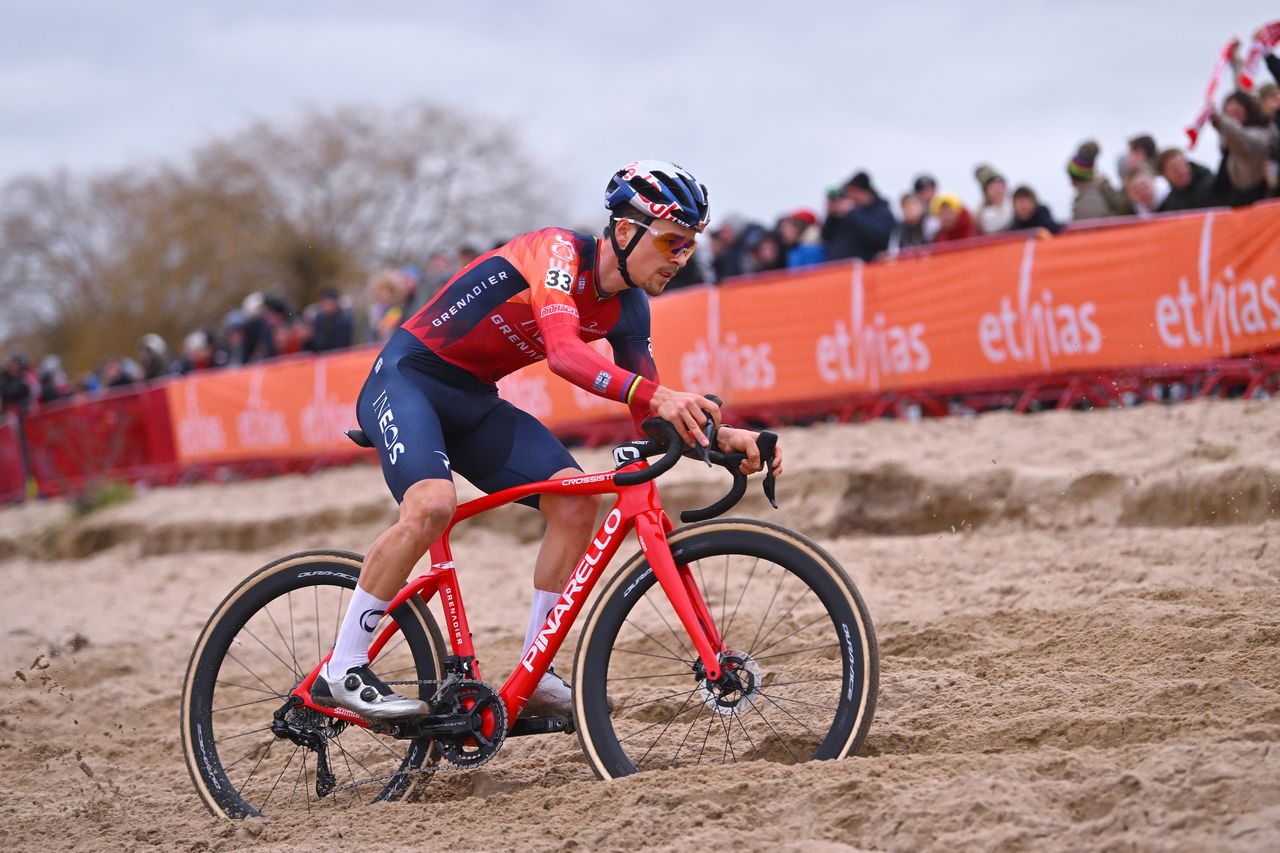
(488,715)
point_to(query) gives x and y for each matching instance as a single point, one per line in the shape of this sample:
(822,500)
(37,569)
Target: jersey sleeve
(632,344)
(551,268)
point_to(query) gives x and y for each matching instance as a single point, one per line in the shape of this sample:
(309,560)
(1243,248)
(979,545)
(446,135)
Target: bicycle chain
(433,769)
(420,683)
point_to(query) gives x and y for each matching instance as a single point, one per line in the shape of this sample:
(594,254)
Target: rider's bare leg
(424,513)
(347,681)
(571,519)
(426,510)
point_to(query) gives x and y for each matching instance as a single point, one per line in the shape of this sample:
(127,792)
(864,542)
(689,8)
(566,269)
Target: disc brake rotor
(738,688)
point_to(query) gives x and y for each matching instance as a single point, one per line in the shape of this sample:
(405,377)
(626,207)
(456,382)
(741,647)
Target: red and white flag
(1264,41)
(1224,59)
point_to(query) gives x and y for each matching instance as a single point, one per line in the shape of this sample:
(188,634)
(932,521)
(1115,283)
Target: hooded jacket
(863,232)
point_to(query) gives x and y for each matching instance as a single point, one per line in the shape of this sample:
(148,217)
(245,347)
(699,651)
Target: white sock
(543,601)
(356,633)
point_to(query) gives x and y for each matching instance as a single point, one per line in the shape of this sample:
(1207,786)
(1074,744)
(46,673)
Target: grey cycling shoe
(361,691)
(553,697)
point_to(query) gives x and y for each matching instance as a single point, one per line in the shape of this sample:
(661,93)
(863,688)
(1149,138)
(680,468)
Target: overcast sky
(767,103)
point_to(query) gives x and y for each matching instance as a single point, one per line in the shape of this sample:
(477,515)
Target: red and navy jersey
(535,298)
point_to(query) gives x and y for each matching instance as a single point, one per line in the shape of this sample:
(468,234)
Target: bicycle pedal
(541,726)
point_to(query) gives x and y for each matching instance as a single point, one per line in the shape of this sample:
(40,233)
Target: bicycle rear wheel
(797,636)
(260,642)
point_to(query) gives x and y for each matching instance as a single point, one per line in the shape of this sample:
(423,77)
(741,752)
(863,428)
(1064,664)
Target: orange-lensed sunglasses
(671,244)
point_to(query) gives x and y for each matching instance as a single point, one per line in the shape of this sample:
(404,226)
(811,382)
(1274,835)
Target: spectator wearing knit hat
(1191,186)
(801,239)
(859,222)
(1029,213)
(1095,197)
(996,211)
(957,223)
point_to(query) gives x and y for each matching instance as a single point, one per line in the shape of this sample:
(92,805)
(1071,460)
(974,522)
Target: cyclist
(431,407)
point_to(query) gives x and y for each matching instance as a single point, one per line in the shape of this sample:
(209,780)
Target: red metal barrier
(13,485)
(122,435)
(128,436)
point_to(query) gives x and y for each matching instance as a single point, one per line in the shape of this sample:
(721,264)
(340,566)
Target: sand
(1079,618)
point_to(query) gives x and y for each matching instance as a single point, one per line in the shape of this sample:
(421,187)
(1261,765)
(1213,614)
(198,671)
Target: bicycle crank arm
(540,726)
(431,725)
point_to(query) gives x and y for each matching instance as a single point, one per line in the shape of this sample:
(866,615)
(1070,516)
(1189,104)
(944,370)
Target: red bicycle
(721,641)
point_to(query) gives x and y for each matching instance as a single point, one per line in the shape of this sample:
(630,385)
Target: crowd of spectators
(265,326)
(858,222)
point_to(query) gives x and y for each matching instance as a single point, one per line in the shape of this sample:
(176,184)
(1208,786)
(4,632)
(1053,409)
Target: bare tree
(60,240)
(355,188)
(89,265)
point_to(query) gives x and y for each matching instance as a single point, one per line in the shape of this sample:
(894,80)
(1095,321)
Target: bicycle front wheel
(262,640)
(797,637)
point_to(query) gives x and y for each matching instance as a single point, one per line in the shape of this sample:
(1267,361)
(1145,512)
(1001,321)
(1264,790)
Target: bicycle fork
(681,589)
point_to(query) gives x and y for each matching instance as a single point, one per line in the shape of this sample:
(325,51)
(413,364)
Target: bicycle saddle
(359,437)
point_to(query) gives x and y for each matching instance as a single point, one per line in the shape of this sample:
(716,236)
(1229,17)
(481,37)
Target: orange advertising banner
(296,407)
(1181,290)
(1174,291)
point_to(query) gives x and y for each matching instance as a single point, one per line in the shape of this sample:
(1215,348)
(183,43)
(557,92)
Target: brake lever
(709,430)
(704,450)
(768,445)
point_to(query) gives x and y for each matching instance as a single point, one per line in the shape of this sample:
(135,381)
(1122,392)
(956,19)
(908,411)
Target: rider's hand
(686,412)
(732,440)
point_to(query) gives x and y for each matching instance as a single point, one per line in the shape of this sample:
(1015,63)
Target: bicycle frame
(637,507)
